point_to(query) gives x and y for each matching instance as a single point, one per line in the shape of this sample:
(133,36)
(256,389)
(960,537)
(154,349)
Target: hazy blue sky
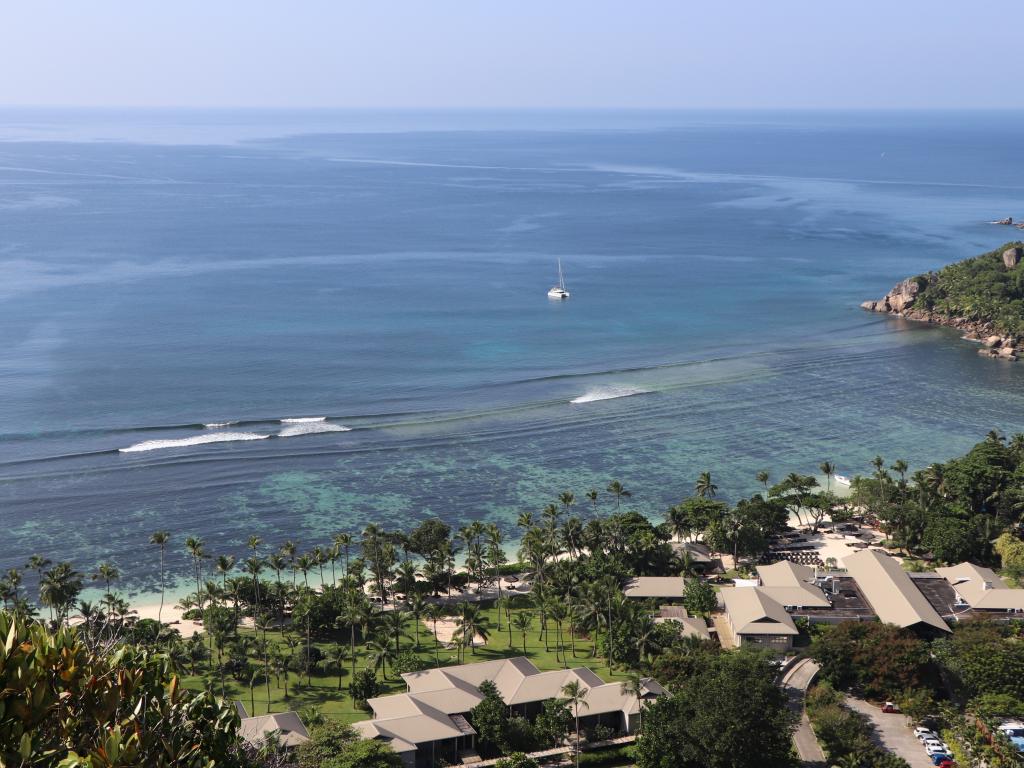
(542,53)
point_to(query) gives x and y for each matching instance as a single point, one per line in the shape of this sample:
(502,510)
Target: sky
(512,54)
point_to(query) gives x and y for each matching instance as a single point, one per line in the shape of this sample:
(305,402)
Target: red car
(890,707)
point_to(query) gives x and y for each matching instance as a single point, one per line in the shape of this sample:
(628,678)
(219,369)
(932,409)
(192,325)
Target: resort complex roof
(288,725)
(432,708)
(655,586)
(791,584)
(982,589)
(889,589)
(752,612)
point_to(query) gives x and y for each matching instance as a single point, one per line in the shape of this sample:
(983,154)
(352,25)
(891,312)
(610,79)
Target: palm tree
(558,613)
(616,489)
(194,545)
(704,487)
(575,695)
(678,523)
(378,654)
(394,625)
(108,572)
(762,477)
(304,563)
(160,539)
(339,655)
(470,625)
(224,565)
(434,614)
(525,520)
(344,542)
(289,549)
(879,463)
(592,498)
(523,621)
(37,563)
(416,606)
(828,469)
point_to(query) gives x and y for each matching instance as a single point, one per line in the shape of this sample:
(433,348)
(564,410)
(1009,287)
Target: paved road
(795,683)
(893,733)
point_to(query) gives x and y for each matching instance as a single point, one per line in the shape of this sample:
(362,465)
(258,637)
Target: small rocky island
(982,296)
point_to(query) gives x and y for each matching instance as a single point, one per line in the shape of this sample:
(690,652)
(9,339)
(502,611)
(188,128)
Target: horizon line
(515,108)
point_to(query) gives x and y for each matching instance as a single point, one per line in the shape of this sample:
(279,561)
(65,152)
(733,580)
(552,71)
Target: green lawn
(323,692)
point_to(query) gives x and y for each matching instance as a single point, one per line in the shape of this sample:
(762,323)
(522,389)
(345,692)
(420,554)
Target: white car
(923,733)
(936,747)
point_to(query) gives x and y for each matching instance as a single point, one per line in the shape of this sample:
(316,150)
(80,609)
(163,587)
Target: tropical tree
(160,539)
(523,621)
(618,491)
(470,624)
(828,469)
(704,487)
(575,695)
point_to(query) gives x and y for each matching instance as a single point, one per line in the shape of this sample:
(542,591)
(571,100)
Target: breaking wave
(216,437)
(310,427)
(607,393)
(304,420)
(219,424)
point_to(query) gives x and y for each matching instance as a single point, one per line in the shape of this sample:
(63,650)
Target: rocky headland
(971,296)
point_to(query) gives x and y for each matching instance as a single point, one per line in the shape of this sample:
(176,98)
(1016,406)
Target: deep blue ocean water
(387,271)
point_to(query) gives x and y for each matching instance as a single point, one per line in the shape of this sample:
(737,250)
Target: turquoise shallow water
(388,271)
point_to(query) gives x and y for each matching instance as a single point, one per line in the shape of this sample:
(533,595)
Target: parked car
(943,761)
(923,733)
(890,707)
(933,747)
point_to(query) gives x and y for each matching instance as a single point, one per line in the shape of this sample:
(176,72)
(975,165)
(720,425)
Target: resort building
(657,587)
(699,555)
(429,723)
(689,626)
(754,618)
(287,727)
(982,590)
(792,585)
(890,591)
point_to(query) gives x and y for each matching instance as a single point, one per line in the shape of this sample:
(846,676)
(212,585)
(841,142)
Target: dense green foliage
(983,658)
(333,745)
(728,714)
(64,703)
(956,509)
(980,288)
(876,660)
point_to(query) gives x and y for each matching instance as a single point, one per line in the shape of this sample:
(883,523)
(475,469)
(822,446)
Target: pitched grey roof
(981,588)
(291,731)
(890,591)
(791,584)
(654,586)
(752,612)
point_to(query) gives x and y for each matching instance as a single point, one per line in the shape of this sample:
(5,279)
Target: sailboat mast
(561,280)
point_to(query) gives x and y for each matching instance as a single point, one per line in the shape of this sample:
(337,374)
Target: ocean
(296,323)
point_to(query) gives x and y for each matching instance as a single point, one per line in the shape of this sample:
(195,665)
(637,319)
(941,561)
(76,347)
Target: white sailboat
(558,291)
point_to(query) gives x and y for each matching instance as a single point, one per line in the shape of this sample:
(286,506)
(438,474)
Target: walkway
(794,683)
(892,733)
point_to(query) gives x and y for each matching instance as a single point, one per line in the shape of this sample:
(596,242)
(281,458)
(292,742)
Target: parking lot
(893,733)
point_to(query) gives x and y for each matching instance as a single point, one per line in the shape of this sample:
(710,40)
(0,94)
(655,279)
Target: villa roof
(288,725)
(432,709)
(791,584)
(981,588)
(752,612)
(890,590)
(655,586)
(689,626)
